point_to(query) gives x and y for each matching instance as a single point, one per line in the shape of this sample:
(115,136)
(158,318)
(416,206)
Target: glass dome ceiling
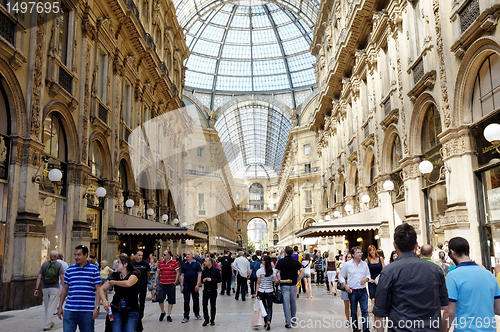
(248,46)
(258,133)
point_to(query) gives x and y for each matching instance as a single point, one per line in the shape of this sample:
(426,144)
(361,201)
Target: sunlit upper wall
(238,48)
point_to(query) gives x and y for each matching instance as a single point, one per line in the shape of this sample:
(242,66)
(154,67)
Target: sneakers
(169,319)
(49,328)
(198,317)
(185,320)
(162,315)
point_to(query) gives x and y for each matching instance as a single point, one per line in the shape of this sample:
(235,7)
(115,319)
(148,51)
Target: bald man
(426,254)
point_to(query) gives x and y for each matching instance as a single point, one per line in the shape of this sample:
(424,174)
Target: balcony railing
(7,28)
(65,80)
(418,71)
(468,15)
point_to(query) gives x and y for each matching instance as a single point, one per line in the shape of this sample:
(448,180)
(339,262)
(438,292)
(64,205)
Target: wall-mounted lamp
(376,237)
(389,186)
(336,214)
(359,239)
(346,241)
(348,208)
(100,192)
(176,221)
(55,175)
(492,134)
(164,218)
(365,199)
(328,218)
(150,211)
(320,221)
(184,224)
(130,203)
(426,168)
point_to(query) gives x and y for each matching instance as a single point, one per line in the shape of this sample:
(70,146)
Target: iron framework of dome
(249,47)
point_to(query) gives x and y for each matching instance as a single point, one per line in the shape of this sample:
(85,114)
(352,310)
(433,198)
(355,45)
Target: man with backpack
(49,274)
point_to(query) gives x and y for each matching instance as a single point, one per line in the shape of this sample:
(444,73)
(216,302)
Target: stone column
(414,202)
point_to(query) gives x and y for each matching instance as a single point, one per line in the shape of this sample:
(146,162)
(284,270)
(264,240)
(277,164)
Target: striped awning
(131,225)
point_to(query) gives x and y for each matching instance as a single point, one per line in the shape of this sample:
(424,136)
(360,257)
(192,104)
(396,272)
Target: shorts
(331,275)
(307,275)
(168,291)
(344,295)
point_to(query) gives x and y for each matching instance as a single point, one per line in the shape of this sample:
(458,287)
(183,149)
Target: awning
(131,225)
(310,241)
(366,220)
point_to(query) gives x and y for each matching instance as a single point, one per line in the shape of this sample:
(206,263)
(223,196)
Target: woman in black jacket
(125,303)
(210,277)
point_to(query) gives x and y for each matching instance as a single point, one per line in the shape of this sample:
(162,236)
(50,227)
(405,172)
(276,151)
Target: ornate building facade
(73,88)
(401,82)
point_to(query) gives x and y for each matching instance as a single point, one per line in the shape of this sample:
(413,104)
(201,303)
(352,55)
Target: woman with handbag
(306,263)
(266,277)
(125,303)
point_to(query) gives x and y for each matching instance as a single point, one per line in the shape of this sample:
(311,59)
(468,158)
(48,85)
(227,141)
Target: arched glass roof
(258,133)
(248,46)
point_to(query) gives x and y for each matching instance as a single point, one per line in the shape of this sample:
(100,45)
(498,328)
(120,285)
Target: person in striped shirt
(81,285)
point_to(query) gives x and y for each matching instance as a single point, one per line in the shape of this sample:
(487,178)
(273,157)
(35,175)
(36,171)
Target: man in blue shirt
(81,284)
(473,292)
(190,285)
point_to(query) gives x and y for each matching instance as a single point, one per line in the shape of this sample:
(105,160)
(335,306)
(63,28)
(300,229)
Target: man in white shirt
(358,275)
(242,267)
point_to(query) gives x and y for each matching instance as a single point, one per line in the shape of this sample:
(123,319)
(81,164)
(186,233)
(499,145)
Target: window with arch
(201,227)
(396,153)
(4,135)
(486,93)
(238,225)
(95,160)
(276,239)
(124,192)
(308,222)
(54,139)
(431,128)
(372,188)
(256,197)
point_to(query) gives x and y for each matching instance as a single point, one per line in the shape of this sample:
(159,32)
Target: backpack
(50,274)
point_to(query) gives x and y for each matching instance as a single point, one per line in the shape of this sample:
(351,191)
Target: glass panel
(437,199)
(95,161)
(491,187)
(431,128)
(63,35)
(396,153)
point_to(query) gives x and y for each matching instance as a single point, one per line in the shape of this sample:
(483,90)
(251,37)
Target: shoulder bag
(277,295)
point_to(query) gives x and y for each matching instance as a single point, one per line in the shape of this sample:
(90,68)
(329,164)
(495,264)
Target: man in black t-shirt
(288,268)
(145,270)
(225,263)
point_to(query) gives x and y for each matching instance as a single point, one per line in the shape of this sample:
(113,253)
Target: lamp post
(130,204)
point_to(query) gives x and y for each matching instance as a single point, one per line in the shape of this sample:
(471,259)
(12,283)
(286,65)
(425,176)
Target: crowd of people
(394,285)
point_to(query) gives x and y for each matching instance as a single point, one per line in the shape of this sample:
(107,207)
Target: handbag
(257,319)
(277,295)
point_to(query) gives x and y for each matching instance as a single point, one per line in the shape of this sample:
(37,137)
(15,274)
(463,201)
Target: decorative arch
(124,158)
(254,98)
(390,134)
(308,222)
(341,188)
(103,146)
(422,104)
(333,198)
(19,120)
(202,227)
(351,176)
(472,60)
(64,115)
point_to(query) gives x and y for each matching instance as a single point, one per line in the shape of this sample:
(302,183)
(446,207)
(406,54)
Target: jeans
(319,277)
(188,291)
(361,296)
(243,286)
(209,296)
(267,299)
(125,321)
(50,296)
(226,283)
(289,302)
(143,290)
(253,283)
(81,318)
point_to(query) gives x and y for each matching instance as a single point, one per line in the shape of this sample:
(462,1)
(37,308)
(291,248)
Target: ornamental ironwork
(65,80)
(418,71)
(7,28)
(468,15)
